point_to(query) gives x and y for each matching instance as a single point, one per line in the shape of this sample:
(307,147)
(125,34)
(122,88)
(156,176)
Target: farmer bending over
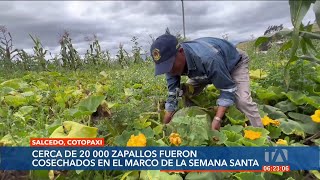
(206,60)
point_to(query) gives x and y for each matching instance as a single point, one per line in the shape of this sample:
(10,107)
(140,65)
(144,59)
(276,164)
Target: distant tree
(273,29)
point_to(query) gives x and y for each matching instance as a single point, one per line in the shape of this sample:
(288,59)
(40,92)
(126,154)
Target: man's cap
(163,51)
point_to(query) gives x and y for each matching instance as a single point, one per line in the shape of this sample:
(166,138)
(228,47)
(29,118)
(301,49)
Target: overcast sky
(117,22)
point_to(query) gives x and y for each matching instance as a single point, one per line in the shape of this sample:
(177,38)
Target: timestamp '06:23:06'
(276,168)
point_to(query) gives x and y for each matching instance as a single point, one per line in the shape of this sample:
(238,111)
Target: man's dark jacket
(208,59)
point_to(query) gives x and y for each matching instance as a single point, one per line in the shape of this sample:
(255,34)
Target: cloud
(116,22)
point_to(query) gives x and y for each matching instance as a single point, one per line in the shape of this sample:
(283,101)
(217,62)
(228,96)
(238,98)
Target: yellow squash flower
(137,141)
(282,142)
(175,139)
(276,122)
(252,134)
(316,116)
(266,121)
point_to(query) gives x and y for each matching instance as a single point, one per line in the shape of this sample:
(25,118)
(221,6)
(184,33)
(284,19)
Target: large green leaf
(191,112)
(287,45)
(257,142)
(7,140)
(41,85)
(91,103)
(273,113)
(70,129)
(316,173)
(286,106)
(14,83)
(297,98)
(77,113)
(232,144)
(273,175)
(219,137)
(235,116)
(193,124)
(248,175)
(313,101)
(289,127)
(207,176)
(272,93)
(27,94)
(316,9)
(275,132)
(158,129)
(24,110)
(305,122)
(15,100)
(159,143)
(50,128)
(24,113)
(141,123)
(157,175)
(298,9)
(148,132)
(122,139)
(39,174)
(234,128)
(258,74)
(232,136)
(7,90)
(130,175)
(261,40)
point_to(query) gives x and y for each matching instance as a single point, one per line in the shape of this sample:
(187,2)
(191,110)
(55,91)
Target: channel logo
(276,156)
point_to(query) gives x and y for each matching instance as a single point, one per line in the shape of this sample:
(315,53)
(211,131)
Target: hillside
(245,45)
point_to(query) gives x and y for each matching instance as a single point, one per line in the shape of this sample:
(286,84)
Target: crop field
(119,99)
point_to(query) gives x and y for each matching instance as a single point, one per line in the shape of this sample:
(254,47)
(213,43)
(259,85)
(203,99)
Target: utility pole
(184,28)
